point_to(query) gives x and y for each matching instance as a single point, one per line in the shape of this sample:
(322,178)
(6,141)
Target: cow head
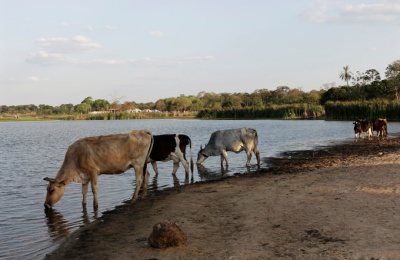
(55,190)
(356,126)
(201,155)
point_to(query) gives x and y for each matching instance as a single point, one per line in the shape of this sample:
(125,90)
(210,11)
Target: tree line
(359,87)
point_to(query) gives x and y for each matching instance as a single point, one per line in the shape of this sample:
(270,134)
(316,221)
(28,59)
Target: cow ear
(49,179)
(201,147)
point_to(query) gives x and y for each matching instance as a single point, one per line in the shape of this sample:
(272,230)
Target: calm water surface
(30,151)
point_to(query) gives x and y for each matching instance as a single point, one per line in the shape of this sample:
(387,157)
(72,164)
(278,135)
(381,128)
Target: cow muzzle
(47,206)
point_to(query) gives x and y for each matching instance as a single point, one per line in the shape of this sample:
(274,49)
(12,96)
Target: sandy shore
(338,203)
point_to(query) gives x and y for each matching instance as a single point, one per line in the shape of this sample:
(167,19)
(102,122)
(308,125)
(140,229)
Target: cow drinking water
(89,157)
(380,126)
(171,147)
(234,140)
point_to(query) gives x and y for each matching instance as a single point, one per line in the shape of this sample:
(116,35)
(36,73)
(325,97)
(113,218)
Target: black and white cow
(234,140)
(171,147)
(362,126)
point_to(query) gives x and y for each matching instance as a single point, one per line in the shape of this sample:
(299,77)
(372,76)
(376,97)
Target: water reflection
(153,186)
(58,227)
(210,174)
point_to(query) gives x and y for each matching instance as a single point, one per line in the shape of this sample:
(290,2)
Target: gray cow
(234,140)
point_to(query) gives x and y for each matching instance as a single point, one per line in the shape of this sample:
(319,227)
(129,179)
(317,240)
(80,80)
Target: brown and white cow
(89,157)
(171,147)
(380,126)
(235,140)
(362,126)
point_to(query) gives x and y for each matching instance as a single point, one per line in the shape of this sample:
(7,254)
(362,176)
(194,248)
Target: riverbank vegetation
(368,96)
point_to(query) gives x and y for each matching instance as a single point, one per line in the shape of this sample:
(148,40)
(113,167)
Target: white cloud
(316,13)
(157,62)
(76,44)
(156,34)
(169,62)
(89,28)
(109,62)
(200,58)
(33,78)
(46,59)
(111,28)
(64,24)
(375,12)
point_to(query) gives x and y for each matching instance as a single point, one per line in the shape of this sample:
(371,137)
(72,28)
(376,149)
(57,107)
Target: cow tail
(148,154)
(255,138)
(191,157)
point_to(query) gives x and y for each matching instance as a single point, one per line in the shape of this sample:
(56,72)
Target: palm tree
(346,74)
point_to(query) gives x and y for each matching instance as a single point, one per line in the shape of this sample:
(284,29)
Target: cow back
(109,154)
(163,146)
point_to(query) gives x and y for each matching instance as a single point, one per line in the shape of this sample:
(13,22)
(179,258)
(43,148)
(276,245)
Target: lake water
(30,151)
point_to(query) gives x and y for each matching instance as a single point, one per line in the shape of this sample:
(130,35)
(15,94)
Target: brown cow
(380,126)
(89,157)
(363,127)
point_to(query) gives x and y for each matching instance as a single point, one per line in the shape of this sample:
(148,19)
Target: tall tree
(346,74)
(393,73)
(88,100)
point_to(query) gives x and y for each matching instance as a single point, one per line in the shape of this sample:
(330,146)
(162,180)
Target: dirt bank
(338,203)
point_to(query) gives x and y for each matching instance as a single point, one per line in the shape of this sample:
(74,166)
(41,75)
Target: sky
(60,52)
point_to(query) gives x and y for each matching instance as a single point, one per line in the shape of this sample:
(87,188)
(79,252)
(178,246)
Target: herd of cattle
(379,125)
(89,157)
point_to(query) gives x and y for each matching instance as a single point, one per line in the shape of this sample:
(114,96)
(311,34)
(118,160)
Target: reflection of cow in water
(58,226)
(206,174)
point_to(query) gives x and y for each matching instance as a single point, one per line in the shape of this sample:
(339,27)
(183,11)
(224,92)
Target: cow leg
(84,192)
(248,152)
(145,184)
(179,154)
(225,156)
(139,181)
(93,182)
(257,154)
(185,165)
(155,168)
(176,164)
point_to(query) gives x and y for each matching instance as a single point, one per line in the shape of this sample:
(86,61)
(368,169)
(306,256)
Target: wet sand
(341,202)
